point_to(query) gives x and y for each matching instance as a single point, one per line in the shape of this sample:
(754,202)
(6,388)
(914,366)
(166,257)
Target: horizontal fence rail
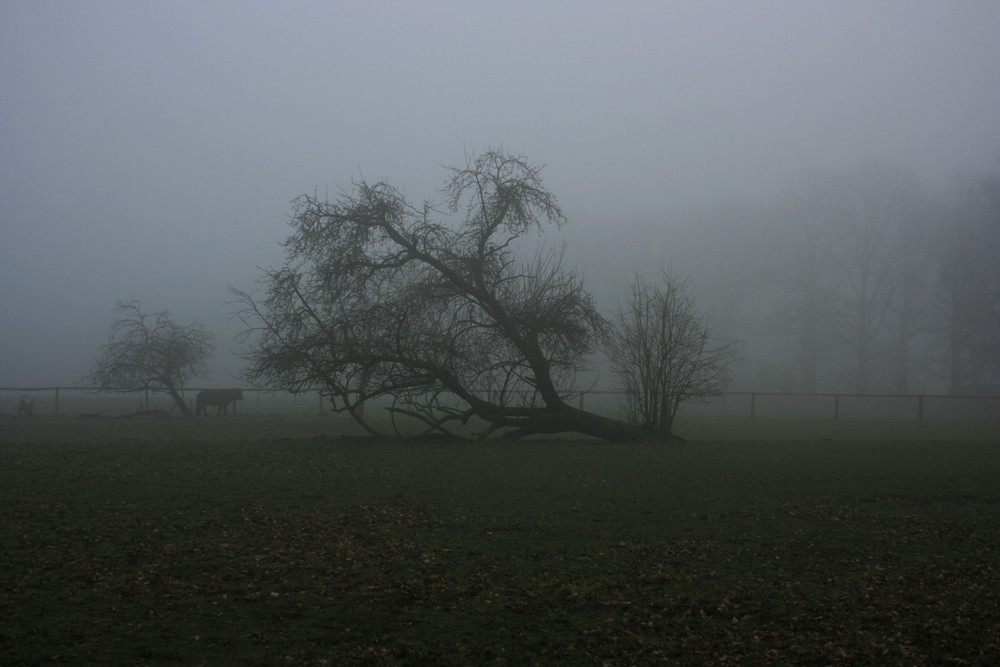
(833,405)
(92,401)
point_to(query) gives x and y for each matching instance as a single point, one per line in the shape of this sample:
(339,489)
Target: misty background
(151,150)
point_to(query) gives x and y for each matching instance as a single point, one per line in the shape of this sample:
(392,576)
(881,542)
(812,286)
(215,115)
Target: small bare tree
(663,354)
(150,351)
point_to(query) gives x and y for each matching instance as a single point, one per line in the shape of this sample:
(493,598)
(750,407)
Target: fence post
(581,400)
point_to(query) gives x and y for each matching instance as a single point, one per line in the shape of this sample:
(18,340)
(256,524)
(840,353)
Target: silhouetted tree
(379,297)
(873,207)
(912,282)
(969,256)
(850,274)
(802,279)
(150,351)
(663,353)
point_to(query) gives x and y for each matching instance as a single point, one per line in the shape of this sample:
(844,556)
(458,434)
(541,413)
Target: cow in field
(220,397)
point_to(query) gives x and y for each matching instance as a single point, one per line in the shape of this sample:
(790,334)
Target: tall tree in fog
(803,282)
(151,351)
(720,246)
(912,280)
(872,205)
(969,261)
(723,252)
(449,320)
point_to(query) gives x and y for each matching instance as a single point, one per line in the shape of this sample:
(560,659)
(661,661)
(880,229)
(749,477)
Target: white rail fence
(74,401)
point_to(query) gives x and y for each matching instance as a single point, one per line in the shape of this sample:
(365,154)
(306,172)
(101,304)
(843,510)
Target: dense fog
(828,174)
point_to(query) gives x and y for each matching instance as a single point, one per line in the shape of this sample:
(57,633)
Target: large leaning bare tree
(151,351)
(379,297)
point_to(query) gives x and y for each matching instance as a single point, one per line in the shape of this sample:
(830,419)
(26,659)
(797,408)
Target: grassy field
(280,541)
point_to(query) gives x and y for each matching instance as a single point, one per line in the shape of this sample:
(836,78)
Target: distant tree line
(859,280)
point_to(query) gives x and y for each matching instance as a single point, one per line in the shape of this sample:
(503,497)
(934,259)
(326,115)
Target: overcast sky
(150,150)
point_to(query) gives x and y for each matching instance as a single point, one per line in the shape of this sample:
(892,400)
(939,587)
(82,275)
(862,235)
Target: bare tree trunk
(956,342)
(861,382)
(567,419)
(808,344)
(179,400)
(903,335)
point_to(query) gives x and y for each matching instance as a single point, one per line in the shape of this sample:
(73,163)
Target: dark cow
(219,397)
(26,406)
